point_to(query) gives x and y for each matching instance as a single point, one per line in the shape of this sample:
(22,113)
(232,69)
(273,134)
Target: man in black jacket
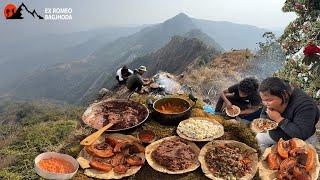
(295,112)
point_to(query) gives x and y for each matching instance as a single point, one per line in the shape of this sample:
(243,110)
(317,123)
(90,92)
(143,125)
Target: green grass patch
(34,128)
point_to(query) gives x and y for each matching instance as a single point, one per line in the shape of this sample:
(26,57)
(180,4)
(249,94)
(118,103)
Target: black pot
(171,118)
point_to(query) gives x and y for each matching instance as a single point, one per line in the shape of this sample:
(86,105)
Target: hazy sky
(98,13)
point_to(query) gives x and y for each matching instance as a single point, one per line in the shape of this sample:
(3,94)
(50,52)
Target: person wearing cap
(123,74)
(135,81)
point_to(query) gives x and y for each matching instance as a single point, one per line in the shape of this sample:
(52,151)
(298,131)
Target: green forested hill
(30,128)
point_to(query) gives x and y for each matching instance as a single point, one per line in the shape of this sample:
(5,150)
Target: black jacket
(301,117)
(134,82)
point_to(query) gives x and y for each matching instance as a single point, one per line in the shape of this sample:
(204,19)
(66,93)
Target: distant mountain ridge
(197,33)
(176,56)
(231,35)
(65,48)
(181,53)
(74,80)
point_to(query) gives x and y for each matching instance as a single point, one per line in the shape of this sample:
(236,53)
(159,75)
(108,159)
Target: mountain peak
(181,20)
(181,15)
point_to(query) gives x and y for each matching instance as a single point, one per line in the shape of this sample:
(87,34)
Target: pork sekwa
(127,113)
(112,157)
(174,155)
(228,159)
(293,159)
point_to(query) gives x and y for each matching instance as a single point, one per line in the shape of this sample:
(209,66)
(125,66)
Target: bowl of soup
(171,110)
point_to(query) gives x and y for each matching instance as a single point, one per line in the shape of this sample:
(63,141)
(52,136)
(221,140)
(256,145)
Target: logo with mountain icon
(12,12)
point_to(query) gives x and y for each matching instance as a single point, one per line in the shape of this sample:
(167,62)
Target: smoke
(267,61)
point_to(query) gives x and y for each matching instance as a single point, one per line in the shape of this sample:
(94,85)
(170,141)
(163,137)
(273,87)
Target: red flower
(298,6)
(311,49)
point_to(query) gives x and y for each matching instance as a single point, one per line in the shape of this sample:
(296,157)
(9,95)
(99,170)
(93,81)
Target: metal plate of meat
(131,113)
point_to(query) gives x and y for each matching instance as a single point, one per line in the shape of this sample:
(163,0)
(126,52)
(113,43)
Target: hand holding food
(274,115)
(261,125)
(228,104)
(233,111)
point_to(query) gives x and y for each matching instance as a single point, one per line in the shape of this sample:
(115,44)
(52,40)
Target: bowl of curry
(171,110)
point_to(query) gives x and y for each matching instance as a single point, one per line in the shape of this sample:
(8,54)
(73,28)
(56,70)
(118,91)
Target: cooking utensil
(172,118)
(94,118)
(94,136)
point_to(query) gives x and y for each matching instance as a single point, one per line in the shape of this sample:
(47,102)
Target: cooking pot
(171,118)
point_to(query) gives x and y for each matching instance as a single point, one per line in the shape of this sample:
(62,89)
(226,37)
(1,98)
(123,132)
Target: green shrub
(41,127)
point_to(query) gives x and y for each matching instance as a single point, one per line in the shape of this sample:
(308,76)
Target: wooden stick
(94,136)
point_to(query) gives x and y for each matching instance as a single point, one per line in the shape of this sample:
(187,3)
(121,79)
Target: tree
(269,56)
(306,26)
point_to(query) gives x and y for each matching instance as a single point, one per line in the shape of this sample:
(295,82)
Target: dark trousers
(136,87)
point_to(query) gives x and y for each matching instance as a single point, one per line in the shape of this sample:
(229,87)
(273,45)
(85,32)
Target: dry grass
(6,161)
(224,71)
(7,140)
(232,60)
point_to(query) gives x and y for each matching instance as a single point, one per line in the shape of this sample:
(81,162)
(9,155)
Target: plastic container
(50,175)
